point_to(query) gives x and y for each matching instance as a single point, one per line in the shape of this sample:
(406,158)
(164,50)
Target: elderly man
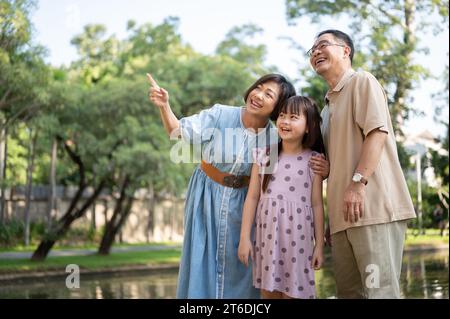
(368,199)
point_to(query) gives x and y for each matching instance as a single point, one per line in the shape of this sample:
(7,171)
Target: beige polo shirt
(358,105)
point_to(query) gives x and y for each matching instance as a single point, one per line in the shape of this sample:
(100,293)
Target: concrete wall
(149,221)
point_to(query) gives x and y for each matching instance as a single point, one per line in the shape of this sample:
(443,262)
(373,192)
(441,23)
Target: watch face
(357,178)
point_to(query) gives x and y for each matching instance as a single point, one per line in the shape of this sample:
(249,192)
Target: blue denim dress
(210,267)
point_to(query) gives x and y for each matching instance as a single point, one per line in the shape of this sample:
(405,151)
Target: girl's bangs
(293,106)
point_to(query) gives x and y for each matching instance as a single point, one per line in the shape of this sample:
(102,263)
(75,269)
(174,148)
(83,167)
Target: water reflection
(424,275)
(152,285)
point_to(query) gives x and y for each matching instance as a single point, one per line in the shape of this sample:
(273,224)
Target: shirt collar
(342,82)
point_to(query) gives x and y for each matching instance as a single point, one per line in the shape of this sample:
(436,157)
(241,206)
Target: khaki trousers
(367,261)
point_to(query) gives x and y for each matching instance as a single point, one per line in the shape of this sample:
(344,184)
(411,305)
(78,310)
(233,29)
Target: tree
(439,160)
(141,157)
(386,34)
(23,72)
(23,75)
(74,128)
(100,111)
(15,33)
(97,55)
(235,45)
(149,41)
(30,169)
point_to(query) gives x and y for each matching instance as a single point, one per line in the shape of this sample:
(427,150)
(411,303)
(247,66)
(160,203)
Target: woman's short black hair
(286,91)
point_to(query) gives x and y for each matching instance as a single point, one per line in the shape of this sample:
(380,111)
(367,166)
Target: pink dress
(284,228)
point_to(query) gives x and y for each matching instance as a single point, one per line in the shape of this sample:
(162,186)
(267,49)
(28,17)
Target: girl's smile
(291,126)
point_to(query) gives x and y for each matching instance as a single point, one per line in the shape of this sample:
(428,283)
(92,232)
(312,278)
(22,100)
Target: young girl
(289,234)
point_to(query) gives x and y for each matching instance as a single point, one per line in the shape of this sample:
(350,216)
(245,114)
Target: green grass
(93,262)
(431,237)
(33,247)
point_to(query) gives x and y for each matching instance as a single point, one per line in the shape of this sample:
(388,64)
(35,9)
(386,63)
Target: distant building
(421,144)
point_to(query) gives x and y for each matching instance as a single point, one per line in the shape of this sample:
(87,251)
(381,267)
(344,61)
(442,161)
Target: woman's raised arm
(160,98)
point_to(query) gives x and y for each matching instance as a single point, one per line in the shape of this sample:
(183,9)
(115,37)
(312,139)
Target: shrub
(11,233)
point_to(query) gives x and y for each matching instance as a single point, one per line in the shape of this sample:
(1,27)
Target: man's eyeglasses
(321,46)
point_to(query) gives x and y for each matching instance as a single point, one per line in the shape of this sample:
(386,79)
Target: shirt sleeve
(199,128)
(370,108)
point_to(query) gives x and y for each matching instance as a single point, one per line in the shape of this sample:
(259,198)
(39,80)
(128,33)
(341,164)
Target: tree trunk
(3,165)
(72,213)
(93,225)
(30,168)
(151,213)
(105,212)
(404,82)
(62,226)
(119,216)
(94,216)
(125,213)
(51,208)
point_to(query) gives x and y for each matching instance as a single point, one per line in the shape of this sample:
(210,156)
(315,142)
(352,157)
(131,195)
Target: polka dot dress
(284,234)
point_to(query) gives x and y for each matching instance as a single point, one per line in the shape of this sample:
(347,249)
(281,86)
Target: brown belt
(225,179)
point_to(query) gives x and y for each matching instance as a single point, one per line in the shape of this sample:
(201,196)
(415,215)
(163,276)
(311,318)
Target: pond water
(424,275)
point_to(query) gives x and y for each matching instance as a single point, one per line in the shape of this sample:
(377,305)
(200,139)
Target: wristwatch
(358,178)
